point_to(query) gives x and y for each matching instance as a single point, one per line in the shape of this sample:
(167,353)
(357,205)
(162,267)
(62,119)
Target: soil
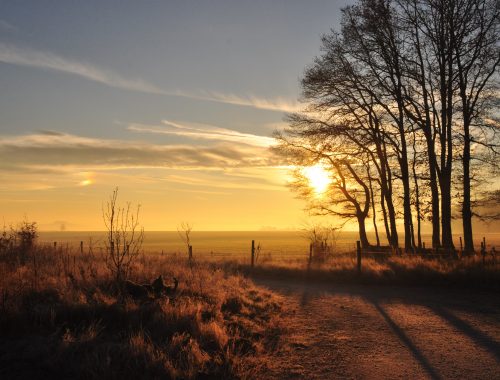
(381,332)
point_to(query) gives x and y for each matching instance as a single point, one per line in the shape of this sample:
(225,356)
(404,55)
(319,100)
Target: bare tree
(124,236)
(411,86)
(348,195)
(477,55)
(184,231)
(373,32)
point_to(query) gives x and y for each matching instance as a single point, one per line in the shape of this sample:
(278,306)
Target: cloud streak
(45,60)
(279,104)
(203,131)
(63,150)
(15,55)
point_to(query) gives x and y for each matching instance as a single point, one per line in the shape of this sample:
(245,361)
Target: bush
(18,243)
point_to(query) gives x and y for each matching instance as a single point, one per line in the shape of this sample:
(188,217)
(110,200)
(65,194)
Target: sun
(318,178)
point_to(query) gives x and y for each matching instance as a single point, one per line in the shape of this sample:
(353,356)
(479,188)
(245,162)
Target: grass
(61,316)
(468,272)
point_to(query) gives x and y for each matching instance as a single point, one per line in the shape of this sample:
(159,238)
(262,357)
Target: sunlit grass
(64,308)
(396,270)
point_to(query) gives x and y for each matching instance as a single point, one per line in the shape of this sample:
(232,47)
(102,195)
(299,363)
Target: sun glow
(85,182)
(318,178)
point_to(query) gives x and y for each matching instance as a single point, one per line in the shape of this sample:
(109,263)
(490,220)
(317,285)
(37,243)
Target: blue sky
(181,95)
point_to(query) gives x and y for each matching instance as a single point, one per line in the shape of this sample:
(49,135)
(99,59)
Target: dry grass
(469,272)
(61,316)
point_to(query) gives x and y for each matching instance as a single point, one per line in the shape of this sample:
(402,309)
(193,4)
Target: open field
(230,244)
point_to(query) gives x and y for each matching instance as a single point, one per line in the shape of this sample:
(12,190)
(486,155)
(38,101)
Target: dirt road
(371,332)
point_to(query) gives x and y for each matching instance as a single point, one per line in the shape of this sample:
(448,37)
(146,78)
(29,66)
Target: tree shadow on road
(476,335)
(442,302)
(419,356)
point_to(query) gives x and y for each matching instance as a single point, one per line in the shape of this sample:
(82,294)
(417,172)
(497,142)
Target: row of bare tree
(402,110)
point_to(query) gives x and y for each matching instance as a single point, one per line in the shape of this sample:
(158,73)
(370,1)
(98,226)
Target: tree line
(401,107)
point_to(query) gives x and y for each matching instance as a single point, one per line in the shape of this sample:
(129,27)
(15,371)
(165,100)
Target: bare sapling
(124,236)
(258,250)
(322,240)
(184,230)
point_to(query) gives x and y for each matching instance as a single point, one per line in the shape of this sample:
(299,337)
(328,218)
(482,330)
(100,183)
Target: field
(276,245)
(63,313)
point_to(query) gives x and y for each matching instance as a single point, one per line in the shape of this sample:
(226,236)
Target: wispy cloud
(7,26)
(203,131)
(278,104)
(258,181)
(47,60)
(62,150)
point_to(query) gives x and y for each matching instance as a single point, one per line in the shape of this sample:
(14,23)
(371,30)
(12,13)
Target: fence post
(310,253)
(253,254)
(358,255)
(55,245)
(482,251)
(81,247)
(190,252)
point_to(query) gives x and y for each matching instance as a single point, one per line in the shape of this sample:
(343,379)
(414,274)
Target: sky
(173,102)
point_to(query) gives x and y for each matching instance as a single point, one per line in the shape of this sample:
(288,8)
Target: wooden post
(483,251)
(190,252)
(253,254)
(81,247)
(310,253)
(55,245)
(358,255)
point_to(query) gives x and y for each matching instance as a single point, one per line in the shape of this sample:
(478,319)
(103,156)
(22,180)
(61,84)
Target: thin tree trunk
(417,195)
(373,208)
(394,240)
(436,240)
(384,214)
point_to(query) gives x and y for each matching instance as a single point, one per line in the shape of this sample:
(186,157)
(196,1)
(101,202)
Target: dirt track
(371,332)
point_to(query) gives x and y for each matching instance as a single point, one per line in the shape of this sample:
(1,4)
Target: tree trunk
(466,206)
(431,155)
(394,239)
(384,214)
(373,210)
(446,211)
(362,230)
(417,195)
(408,223)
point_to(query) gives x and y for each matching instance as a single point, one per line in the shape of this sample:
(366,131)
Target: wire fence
(253,253)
